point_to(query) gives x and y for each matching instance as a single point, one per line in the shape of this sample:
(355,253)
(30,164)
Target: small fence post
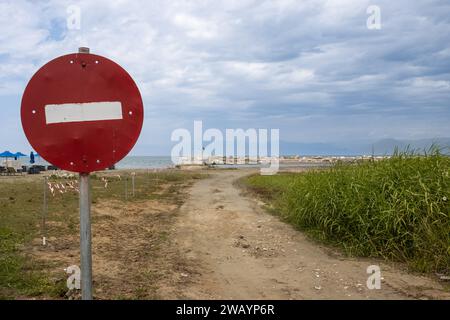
(44,213)
(126,188)
(132,182)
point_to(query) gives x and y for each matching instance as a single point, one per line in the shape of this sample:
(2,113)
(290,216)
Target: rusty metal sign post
(85,229)
(85,237)
(82,113)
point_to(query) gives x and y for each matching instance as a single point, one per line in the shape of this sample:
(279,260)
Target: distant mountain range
(380,147)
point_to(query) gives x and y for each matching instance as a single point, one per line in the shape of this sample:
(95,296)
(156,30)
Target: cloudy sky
(311,68)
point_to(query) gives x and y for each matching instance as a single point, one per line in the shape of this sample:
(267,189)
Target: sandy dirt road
(235,250)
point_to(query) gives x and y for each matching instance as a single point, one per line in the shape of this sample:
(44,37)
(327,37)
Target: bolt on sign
(82,112)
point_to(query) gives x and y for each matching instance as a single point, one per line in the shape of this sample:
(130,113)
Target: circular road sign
(82,112)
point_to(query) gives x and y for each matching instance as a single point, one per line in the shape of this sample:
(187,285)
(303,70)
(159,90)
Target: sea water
(160,162)
(129,162)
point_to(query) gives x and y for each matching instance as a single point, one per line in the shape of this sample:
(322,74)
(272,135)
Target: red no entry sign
(82,112)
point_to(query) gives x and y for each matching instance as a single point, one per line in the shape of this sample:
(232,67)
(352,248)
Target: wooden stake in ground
(44,213)
(132,182)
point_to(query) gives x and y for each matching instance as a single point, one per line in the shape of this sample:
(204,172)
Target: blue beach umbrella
(7,154)
(19,154)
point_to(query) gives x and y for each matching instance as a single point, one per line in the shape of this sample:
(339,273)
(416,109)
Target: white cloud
(431,83)
(196,27)
(248,58)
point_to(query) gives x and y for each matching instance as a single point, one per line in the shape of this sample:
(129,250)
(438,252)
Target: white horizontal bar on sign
(78,112)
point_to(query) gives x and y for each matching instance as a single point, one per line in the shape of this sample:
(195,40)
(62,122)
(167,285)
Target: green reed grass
(397,208)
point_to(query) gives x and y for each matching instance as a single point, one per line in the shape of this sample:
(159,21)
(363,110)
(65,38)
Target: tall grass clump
(396,208)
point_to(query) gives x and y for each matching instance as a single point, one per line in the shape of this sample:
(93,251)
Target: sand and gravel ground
(208,239)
